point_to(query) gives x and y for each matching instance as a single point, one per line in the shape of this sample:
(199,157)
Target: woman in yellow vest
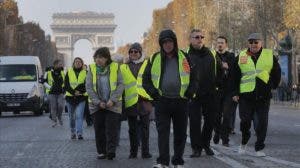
(104,86)
(76,96)
(137,104)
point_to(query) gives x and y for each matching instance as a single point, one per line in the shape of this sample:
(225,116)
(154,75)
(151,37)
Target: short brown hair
(103,52)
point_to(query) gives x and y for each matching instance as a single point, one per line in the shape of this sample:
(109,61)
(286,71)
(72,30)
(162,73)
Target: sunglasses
(198,37)
(133,51)
(253,42)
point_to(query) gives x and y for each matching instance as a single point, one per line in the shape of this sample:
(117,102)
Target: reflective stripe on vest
(131,96)
(250,72)
(184,71)
(50,79)
(74,81)
(141,91)
(113,75)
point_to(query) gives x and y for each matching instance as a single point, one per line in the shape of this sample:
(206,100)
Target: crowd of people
(195,85)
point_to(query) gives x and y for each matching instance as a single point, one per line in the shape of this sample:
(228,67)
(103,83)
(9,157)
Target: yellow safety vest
(132,88)
(141,91)
(50,79)
(249,71)
(113,75)
(74,81)
(184,73)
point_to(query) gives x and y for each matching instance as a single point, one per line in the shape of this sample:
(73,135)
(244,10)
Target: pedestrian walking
(225,104)
(208,73)
(76,97)
(55,91)
(104,86)
(137,101)
(166,79)
(256,72)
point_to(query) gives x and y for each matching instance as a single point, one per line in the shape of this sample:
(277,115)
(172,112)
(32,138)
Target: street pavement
(30,142)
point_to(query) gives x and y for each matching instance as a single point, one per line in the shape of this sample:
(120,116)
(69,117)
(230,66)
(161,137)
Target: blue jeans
(76,112)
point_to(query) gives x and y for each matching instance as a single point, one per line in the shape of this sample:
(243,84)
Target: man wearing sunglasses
(256,72)
(205,77)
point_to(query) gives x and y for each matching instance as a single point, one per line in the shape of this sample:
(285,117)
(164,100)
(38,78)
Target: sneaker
(209,151)
(195,154)
(226,144)
(111,156)
(132,156)
(146,156)
(73,136)
(80,137)
(178,166)
(54,124)
(101,156)
(242,149)
(260,153)
(216,139)
(160,166)
(61,123)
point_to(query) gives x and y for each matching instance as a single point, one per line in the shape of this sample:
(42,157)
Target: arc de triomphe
(98,28)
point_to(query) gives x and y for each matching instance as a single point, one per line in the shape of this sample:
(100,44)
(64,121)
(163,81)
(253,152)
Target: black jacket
(229,58)
(206,77)
(262,91)
(81,88)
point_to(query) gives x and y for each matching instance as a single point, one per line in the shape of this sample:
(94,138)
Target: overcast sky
(133,17)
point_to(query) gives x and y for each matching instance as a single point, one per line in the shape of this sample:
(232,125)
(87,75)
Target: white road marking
(269,158)
(231,162)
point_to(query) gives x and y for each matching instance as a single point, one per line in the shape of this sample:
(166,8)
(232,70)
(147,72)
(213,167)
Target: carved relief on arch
(89,37)
(62,40)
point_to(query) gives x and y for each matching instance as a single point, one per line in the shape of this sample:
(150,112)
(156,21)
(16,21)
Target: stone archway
(98,28)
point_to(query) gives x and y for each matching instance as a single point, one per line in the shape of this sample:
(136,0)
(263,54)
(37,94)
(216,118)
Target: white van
(20,89)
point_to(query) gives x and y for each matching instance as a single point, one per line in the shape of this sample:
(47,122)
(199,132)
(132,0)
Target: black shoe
(73,136)
(208,151)
(196,154)
(216,139)
(132,156)
(80,137)
(146,156)
(226,144)
(101,156)
(111,156)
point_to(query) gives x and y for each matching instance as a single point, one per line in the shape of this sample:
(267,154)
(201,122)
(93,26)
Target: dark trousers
(200,138)
(223,125)
(106,125)
(247,109)
(87,115)
(166,110)
(233,115)
(135,124)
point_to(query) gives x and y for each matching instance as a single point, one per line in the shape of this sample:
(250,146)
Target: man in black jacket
(256,72)
(225,104)
(207,70)
(166,79)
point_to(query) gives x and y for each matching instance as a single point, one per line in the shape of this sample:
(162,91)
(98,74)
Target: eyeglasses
(253,42)
(133,51)
(198,37)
